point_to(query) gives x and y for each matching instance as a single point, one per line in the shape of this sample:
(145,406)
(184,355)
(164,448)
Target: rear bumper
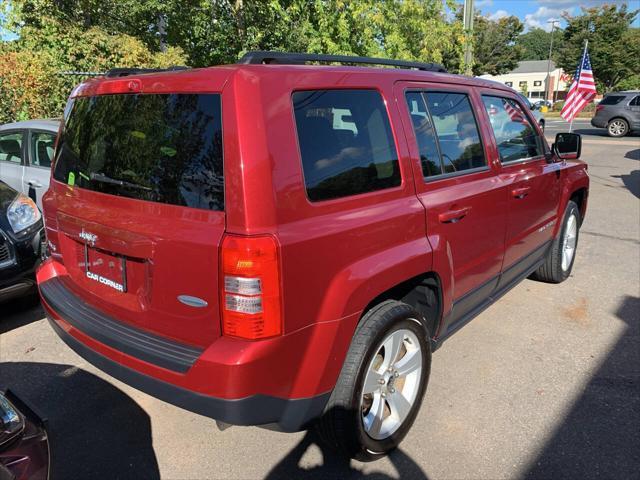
(288,415)
(283,382)
(599,122)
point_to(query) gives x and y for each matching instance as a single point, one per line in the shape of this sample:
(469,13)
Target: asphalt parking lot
(544,384)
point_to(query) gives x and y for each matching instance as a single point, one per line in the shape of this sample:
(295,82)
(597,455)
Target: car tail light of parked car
(251,303)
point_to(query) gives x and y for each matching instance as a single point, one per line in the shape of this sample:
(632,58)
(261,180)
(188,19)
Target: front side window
(516,137)
(11,147)
(42,144)
(346,143)
(164,148)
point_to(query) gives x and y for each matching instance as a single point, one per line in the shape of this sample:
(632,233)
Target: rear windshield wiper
(99,177)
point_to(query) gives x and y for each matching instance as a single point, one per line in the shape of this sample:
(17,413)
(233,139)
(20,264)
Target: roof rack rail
(124,72)
(286,58)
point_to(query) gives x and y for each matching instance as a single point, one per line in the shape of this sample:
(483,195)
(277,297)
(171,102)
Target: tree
(614,47)
(32,79)
(535,43)
(495,50)
(211,32)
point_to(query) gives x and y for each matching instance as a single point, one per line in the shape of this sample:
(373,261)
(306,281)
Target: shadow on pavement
(631,181)
(336,466)
(19,312)
(599,437)
(600,132)
(633,154)
(95,429)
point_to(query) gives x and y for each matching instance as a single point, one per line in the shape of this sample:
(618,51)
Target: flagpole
(586,42)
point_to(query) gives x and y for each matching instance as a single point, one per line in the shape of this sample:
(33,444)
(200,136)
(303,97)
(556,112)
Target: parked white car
(26,152)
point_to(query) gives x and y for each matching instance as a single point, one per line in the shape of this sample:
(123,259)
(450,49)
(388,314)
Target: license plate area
(106,268)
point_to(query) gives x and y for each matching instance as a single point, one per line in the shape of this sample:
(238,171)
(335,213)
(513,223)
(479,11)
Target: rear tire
(617,127)
(390,355)
(559,260)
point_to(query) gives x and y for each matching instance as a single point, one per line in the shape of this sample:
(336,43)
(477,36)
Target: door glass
(425,135)
(635,102)
(516,137)
(42,149)
(457,131)
(11,147)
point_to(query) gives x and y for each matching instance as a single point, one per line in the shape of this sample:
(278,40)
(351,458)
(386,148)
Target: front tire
(380,388)
(618,127)
(559,260)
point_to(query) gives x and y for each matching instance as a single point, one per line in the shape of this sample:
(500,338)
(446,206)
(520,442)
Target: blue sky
(536,13)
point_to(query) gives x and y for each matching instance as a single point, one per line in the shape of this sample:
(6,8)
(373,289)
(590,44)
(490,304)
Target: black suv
(619,113)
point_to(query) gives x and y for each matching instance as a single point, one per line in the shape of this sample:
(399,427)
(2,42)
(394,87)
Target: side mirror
(567,146)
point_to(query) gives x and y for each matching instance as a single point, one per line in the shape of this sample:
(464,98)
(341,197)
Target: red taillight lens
(250,287)
(599,107)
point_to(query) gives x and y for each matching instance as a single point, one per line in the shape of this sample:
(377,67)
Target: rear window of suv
(346,143)
(612,100)
(161,148)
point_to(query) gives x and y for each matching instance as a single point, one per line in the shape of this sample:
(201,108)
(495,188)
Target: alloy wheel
(569,242)
(391,384)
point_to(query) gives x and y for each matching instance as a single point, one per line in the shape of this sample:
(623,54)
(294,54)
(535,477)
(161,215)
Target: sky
(537,13)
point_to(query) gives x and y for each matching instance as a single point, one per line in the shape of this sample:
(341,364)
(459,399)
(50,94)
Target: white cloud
(483,3)
(497,15)
(581,3)
(541,17)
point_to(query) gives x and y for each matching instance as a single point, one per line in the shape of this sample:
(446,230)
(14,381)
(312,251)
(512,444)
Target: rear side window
(425,135)
(346,143)
(42,149)
(612,100)
(159,148)
(635,102)
(516,138)
(457,146)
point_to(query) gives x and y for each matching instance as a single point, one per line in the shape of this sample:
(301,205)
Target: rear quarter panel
(337,255)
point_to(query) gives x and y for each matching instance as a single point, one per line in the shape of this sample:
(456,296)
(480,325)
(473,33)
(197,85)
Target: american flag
(514,112)
(582,90)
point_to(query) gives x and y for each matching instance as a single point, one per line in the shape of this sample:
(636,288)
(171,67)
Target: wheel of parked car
(559,261)
(542,125)
(381,385)
(618,127)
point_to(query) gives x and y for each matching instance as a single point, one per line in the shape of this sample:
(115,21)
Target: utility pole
(548,82)
(467,19)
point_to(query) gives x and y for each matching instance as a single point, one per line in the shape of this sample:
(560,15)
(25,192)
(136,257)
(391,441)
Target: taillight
(250,284)
(599,107)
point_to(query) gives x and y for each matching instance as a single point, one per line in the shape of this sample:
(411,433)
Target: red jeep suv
(282,244)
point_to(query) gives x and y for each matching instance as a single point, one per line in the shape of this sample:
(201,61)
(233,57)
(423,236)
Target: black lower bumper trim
(133,341)
(287,415)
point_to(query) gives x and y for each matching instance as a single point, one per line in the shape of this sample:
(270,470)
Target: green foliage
(215,32)
(614,47)
(495,47)
(535,44)
(31,79)
(629,83)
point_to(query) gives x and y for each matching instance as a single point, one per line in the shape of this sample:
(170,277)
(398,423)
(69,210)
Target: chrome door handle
(34,184)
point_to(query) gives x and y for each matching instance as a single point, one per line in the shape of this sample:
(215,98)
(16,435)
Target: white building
(529,78)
